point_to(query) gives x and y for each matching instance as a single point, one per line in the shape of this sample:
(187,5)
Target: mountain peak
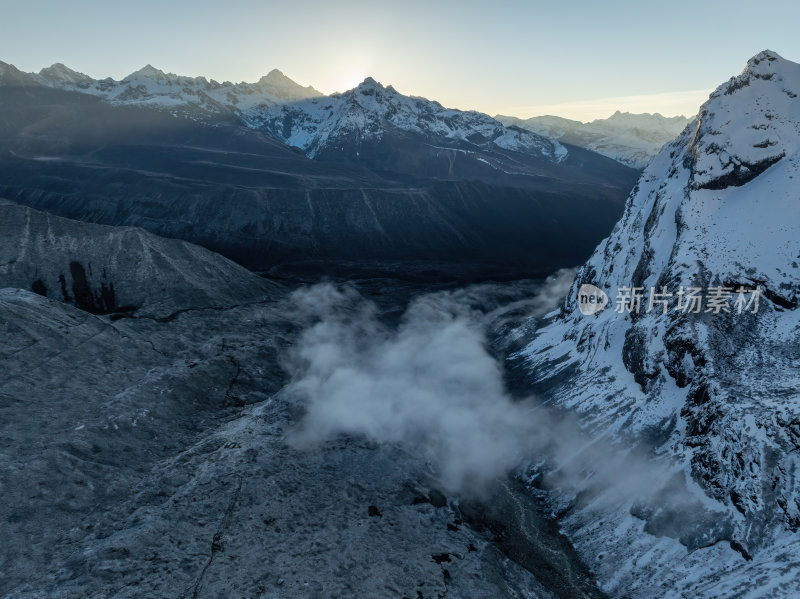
(710,211)
(276,82)
(369,83)
(764,64)
(12,76)
(765,56)
(370,87)
(274,76)
(748,124)
(147,72)
(59,72)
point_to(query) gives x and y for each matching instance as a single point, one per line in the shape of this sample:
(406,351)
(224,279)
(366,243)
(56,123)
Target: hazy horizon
(523,59)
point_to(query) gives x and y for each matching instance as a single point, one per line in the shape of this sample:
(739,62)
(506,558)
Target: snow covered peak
(371,95)
(61,75)
(717,210)
(193,96)
(275,76)
(370,110)
(766,62)
(280,86)
(369,87)
(718,205)
(748,124)
(630,118)
(369,83)
(149,72)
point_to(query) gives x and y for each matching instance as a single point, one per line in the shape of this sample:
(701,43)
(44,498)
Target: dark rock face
(102,301)
(742,172)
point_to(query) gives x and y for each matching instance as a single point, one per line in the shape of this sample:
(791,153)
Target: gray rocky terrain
(143,453)
(104,269)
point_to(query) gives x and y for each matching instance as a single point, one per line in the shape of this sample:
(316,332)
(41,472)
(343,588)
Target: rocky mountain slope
(147,455)
(711,390)
(115,270)
(632,139)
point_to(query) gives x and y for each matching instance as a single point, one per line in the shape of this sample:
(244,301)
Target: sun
(344,79)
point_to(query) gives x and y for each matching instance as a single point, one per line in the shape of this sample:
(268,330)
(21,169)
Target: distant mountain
(372,125)
(711,387)
(155,88)
(12,76)
(371,118)
(392,177)
(632,139)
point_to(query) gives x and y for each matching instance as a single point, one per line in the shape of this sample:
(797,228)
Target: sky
(581,59)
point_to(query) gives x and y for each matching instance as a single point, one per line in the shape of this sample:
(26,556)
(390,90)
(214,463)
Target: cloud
(431,386)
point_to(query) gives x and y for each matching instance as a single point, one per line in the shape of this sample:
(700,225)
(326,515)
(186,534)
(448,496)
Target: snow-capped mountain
(354,124)
(257,201)
(715,214)
(155,88)
(371,124)
(632,139)
(299,116)
(370,111)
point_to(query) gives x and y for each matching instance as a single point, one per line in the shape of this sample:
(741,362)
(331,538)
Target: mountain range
(271,173)
(632,139)
(152,87)
(304,118)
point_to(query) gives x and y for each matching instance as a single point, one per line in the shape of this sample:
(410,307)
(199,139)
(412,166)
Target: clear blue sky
(578,59)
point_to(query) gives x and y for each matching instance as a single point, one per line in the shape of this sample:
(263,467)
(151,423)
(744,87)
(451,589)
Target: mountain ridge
(247,195)
(631,139)
(153,87)
(370,107)
(275,100)
(267,105)
(116,270)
